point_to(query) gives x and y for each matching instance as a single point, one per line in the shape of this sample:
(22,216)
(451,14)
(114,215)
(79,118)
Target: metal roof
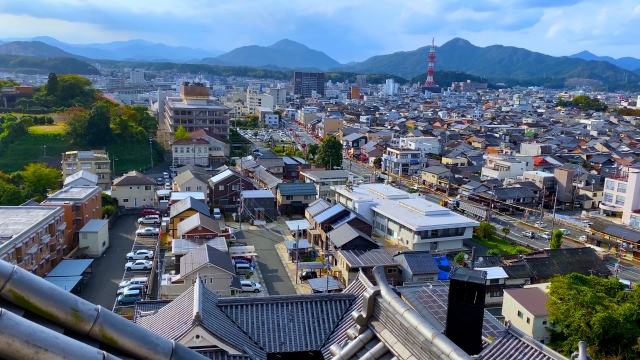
(622,233)
(75,267)
(196,220)
(204,255)
(302,244)
(297,189)
(91,177)
(185,246)
(345,233)
(320,284)
(257,194)
(329,213)
(367,258)
(298,224)
(317,206)
(186,204)
(66,282)
(94,225)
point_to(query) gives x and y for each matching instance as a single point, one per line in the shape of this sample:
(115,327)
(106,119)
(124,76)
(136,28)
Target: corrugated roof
(94,225)
(222,175)
(317,206)
(329,213)
(345,233)
(292,189)
(367,258)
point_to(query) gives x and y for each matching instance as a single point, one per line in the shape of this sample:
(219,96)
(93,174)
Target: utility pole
(297,251)
(151,150)
(555,201)
(241,200)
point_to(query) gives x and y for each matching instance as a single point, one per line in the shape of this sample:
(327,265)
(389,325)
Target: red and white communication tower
(432,64)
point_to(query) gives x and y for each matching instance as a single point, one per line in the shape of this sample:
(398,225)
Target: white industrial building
(94,237)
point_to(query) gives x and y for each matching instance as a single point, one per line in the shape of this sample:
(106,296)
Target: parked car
(148,232)
(565,231)
(541,224)
(308,274)
(244,269)
(150,211)
(165,175)
(167,186)
(217,214)
(160,181)
(583,238)
(129,297)
(134,281)
(138,265)
(248,285)
(587,222)
(545,235)
(243,261)
(138,287)
(140,254)
(173,168)
(150,219)
(528,234)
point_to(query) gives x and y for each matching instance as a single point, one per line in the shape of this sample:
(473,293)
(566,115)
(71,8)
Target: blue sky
(347,30)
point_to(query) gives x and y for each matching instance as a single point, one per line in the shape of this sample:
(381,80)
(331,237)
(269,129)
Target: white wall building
(526,310)
(503,167)
(255,99)
(95,237)
(622,194)
(279,96)
(407,219)
(136,77)
(190,152)
(390,87)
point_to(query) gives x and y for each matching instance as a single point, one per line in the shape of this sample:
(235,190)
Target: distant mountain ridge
(36,49)
(284,53)
(629,63)
(494,62)
(141,50)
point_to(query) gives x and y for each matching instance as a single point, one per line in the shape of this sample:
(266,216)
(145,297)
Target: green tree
(377,162)
(77,128)
(459,258)
(595,310)
(330,152)
(519,250)
(108,211)
(52,86)
(485,230)
(181,133)
(312,150)
(556,240)
(38,178)
(10,195)
(98,128)
(493,252)
(506,231)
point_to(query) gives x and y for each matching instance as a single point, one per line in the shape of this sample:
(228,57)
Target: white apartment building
(622,195)
(503,166)
(255,99)
(428,144)
(279,96)
(407,219)
(390,87)
(190,152)
(136,77)
(404,161)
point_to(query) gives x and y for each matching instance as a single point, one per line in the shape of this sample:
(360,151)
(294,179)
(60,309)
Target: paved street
(109,268)
(273,272)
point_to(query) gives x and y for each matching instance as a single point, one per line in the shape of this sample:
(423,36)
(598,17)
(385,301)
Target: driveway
(109,268)
(273,272)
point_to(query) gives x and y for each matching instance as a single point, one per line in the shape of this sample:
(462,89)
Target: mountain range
(627,62)
(495,62)
(133,50)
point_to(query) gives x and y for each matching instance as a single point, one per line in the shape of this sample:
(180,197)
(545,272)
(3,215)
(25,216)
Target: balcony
(62,226)
(45,238)
(610,207)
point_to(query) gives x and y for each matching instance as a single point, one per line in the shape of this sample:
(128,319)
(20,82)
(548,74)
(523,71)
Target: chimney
(465,312)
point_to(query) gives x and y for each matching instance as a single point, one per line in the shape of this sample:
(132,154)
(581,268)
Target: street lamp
(45,151)
(114,167)
(151,150)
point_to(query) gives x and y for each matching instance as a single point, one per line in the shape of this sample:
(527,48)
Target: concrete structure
(267,116)
(190,151)
(133,190)
(502,167)
(622,194)
(407,219)
(306,83)
(195,109)
(354,93)
(564,180)
(81,178)
(544,180)
(526,310)
(94,237)
(94,161)
(255,100)
(10,95)
(32,237)
(405,161)
(325,180)
(468,86)
(136,77)
(390,87)
(279,96)
(81,205)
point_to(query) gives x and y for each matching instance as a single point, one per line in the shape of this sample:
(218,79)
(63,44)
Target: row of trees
(34,182)
(582,102)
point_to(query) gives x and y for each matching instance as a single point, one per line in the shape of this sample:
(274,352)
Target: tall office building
(361,80)
(195,109)
(304,83)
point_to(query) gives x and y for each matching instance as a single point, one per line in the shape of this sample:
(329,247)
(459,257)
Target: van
(134,281)
(129,297)
(244,269)
(216,214)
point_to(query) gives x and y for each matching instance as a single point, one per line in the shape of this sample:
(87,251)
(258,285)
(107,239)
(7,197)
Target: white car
(148,232)
(541,224)
(248,285)
(545,235)
(583,238)
(149,220)
(140,254)
(565,231)
(216,214)
(587,222)
(143,265)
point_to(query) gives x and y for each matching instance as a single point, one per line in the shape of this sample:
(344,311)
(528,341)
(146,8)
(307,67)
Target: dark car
(308,274)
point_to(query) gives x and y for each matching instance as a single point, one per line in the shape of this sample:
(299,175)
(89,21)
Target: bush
(493,252)
(49,120)
(520,250)
(108,211)
(459,258)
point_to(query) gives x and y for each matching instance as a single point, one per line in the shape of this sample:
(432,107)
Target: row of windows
(426,234)
(181,149)
(608,198)
(290,197)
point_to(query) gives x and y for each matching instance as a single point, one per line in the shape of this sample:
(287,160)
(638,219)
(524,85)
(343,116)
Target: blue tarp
(444,265)
(443,275)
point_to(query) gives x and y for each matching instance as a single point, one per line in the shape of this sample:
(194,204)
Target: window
(609,185)
(125,200)
(392,270)
(199,188)
(84,236)
(619,200)
(147,187)
(622,187)
(307,197)
(289,197)
(607,198)
(520,314)
(494,281)
(544,322)
(104,243)
(188,188)
(541,341)
(235,187)
(220,187)
(86,166)
(496,294)
(528,321)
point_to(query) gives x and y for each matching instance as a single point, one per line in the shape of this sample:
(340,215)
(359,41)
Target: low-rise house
(324,180)
(190,151)
(198,226)
(94,238)
(191,181)
(225,188)
(346,237)
(214,267)
(259,205)
(293,198)
(133,190)
(589,196)
(182,210)
(275,166)
(219,149)
(81,178)
(330,218)
(417,266)
(352,143)
(350,262)
(526,310)
(436,176)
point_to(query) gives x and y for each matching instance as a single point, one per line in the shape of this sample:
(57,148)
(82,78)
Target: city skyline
(346,31)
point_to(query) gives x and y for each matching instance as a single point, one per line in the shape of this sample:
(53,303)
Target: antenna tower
(432,64)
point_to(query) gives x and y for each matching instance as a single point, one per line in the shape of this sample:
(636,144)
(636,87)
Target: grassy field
(505,247)
(29,148)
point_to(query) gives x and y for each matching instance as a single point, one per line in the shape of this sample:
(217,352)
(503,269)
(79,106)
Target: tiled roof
(515,345)
(188,175)
(189,203)
(520,271)
(204,255)
(196,220)
(297,189)
(420,263)
(133,178)
(288,323)
(223,355)
(190,141)
(270,162)
(82,174)
(565,261)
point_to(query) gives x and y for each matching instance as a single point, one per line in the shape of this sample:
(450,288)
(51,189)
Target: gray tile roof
(198,219)
(297,189)
(189,203)
(133,178)
(420,263)
(345,233)
(223,355)
(198,306)
(203,255)
(515,345)
(367,258)
(288,323)
(270,162)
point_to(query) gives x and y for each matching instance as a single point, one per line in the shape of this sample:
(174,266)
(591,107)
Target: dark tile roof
(519,271)
(204,255)
(189,203)
(133,178)
(270,162)
(297,189)
(345,233)
(547,263)
(420,262)
(223,355)
(288,323)
(513,344)
(622,233)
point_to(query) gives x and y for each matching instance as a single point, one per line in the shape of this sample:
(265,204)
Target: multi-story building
(544,180)
(390,87)
(526,310)
(80,204)
(134,190)
(404,161)
(94,161)
(407,219)
(305,83)
(279,96)
(468,86)
(195,109)
(354,93)
(325,180)
(219,149)
(502,166)
(361,80)
(267,116)
(329,126)
(190,151)
(32,237)
(256,100)
(136,77)
(113,83)
(564,182)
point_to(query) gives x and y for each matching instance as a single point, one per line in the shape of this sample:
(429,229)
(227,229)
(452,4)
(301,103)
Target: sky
(347,30)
